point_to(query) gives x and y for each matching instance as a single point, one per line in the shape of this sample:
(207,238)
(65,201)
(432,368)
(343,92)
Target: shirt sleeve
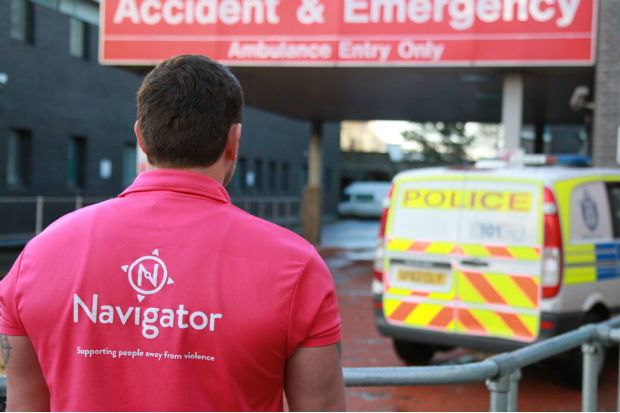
(314,319)
(10,323)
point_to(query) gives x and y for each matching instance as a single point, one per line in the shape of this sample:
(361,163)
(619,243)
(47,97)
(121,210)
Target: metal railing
(503,371)
(39,201)
(283,210)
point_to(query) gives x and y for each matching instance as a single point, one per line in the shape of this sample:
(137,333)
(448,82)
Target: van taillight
(380,248)
(552,250)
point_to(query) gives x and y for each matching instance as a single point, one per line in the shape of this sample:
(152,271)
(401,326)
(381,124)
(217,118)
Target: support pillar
(589,388)
(513,391)
(512,110)
(499,387)
(606,116)
(311,202)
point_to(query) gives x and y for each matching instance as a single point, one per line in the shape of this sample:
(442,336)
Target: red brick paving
(540,389)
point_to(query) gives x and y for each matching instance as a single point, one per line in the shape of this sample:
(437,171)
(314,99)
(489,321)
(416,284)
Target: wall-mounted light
(578,99)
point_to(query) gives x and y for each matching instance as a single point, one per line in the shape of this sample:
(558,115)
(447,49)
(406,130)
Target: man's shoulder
(72,223)
(268,233)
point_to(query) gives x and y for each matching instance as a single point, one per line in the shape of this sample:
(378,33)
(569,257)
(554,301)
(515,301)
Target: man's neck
(211,171)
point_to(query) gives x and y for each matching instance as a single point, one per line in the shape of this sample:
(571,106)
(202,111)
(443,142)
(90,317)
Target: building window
(285,177)
(76,163)
(242,174)
(258,174)
(303,176)
(18,159)
(22,21)
(130,167)
(273,187)
(78,38)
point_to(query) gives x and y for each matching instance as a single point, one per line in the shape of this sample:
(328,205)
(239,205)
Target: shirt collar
(178,181)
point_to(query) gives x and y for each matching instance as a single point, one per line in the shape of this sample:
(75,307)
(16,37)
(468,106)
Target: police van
(495,257)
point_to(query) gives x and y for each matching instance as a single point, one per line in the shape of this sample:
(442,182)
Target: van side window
(613,191)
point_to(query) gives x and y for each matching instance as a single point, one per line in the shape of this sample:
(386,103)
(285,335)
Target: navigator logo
(147,275)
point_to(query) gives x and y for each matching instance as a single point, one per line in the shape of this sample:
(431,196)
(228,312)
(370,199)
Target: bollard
(513,391)
(590,377)
(79,202)
(499,392)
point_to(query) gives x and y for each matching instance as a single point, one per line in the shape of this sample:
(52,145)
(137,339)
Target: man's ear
(232,146)
(136,129)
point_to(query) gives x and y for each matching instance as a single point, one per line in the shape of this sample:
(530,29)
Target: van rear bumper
(555,323)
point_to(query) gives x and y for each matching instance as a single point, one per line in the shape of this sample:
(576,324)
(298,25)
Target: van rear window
(480,212)
(364,197)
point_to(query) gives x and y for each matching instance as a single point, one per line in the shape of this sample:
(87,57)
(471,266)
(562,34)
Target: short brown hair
(186,106)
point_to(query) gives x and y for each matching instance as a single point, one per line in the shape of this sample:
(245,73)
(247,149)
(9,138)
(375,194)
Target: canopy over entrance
(419,60)
(415,94)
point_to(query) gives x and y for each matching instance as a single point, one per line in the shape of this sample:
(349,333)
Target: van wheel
(413,353)
(571,366)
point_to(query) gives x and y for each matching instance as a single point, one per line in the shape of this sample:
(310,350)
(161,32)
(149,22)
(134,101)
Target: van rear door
(463,255)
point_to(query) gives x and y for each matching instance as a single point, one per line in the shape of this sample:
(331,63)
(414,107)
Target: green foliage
(449,145)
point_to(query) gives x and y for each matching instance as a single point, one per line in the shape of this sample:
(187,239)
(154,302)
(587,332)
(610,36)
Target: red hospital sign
(351,32)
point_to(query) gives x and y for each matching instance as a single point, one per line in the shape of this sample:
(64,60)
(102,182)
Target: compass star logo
(147,275)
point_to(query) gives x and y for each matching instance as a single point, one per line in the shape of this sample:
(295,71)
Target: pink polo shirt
(168,298)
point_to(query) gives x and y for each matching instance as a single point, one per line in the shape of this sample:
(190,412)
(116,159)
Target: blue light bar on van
(574,160)
(533,159)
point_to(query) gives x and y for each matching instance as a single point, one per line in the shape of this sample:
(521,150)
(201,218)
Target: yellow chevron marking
(580,249)
(524,253)
(492,323)
(531,322)
(398,244)
(584,258)
(579,275)
(503,284)
(398,291)
(451,326)
(423,314)
(443,248)
(442,296)
(390,305)
(580,254)
(467,292)
(460,327)
(510,291)
(475,250)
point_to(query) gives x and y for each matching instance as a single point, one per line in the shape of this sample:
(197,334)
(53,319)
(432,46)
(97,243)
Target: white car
(364,199)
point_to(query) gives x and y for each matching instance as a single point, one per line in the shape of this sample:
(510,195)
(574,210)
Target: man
(169,297)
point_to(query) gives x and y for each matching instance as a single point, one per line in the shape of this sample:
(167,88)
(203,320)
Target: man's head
(186,108)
